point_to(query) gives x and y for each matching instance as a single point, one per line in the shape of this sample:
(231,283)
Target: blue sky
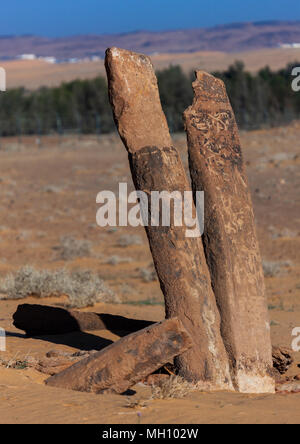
(68,17)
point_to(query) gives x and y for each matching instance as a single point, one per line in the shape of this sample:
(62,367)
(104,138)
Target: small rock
(57,354)
(282,359)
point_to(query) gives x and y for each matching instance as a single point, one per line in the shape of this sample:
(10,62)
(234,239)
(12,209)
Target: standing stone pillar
(230,241)
(179,260)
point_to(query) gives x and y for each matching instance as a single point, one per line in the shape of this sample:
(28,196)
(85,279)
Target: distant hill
(227,38)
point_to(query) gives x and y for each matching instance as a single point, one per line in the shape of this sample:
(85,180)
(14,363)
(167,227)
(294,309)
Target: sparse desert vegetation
(273,268)
(148,274)
(71,248)
(82,287)
(129,239)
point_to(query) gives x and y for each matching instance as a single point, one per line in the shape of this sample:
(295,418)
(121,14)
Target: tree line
(262,99)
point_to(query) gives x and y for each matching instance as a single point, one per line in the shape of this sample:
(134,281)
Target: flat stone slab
(126,362)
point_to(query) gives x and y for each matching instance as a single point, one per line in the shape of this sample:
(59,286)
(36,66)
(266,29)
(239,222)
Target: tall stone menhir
(230,241)
(179,261)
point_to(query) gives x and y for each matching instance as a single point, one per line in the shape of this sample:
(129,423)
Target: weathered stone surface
(282,359)
(288,387)
(179,261)
(230,242)
(56,361)
(38,320)
(52,366)
(135,100)
(127,361)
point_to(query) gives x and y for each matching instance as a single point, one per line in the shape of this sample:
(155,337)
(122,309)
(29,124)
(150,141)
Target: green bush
(259,100)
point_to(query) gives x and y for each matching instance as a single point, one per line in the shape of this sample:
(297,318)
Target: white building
(48,59)
(27,57)
(289,45)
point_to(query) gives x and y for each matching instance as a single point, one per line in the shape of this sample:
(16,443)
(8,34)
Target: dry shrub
(129,239)
(172,387)
(148,274)
(83,288)
(17,364)
(71,248)
(116,260)
(272,269)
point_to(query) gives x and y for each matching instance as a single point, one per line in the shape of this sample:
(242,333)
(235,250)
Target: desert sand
(50,192)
